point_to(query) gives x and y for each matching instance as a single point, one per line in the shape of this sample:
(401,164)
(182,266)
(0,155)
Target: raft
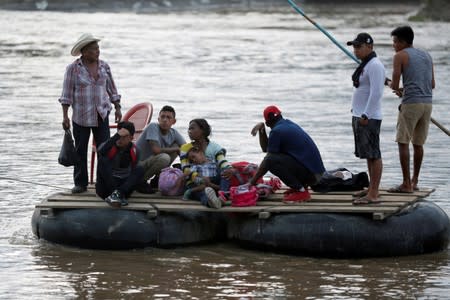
(86,221)
(420,228)
(116,229)
(326,226)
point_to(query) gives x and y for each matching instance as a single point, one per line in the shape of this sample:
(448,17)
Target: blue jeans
(219,180)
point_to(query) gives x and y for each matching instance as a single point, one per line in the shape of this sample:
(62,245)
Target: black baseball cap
(361,38)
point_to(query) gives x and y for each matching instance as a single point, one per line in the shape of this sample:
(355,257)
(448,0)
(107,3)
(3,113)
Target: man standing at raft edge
(415,66)
(291,155)
(368,82)
(90,89)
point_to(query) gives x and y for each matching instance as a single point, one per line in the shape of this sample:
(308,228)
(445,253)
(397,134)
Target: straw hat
(84,39)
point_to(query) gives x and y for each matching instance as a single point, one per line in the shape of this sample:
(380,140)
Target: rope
(32,182)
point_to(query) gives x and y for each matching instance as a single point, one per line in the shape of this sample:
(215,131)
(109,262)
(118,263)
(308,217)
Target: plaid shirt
(87,96)
(207,169)
(214,153)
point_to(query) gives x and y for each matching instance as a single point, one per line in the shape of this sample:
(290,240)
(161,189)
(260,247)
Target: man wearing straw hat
(89,89)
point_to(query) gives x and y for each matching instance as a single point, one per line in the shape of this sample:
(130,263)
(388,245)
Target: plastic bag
(68,156)
(243,195)
(171,182)
(269,186)
(341,180)
(244,171)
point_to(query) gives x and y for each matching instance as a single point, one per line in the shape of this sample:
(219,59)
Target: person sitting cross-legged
(117,171)
(207,182)
(159,146)
(199,132)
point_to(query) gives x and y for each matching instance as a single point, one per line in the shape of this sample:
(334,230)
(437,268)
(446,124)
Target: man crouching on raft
(291,155)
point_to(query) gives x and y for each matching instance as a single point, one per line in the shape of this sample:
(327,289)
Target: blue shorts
(367,138)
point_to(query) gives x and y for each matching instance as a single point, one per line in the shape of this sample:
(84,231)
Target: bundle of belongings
(341,180)
(241,193)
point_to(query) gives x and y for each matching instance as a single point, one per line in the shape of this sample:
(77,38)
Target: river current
(225,68)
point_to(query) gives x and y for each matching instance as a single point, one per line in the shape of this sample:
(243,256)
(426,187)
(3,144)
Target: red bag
(270,185)
(243,195)
(244,171)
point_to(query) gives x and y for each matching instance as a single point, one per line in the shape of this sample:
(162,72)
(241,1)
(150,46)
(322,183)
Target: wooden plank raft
(333,202)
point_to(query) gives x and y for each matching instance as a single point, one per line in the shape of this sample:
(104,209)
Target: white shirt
(367,97)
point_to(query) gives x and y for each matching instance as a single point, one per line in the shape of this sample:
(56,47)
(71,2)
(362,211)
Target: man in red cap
(291,155)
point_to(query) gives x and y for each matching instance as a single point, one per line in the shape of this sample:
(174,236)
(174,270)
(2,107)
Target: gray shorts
(367,138)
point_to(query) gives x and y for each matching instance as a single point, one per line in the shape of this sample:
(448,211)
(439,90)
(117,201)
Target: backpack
(171,182)
(341,180)
(244,172)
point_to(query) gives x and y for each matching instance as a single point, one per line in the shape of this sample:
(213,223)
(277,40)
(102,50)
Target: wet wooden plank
(276,197)
(228,209)
(344,198)
(423,192)
(338,209)
(181,204)
(196,206)
(334,204)
(338,202)
(83,204)
(397,203)
(347,202)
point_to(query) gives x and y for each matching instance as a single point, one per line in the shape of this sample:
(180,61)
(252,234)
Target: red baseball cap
(271,109)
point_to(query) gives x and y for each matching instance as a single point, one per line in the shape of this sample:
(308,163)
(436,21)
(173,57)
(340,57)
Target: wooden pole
(345,50)
(328,35)
(440,126)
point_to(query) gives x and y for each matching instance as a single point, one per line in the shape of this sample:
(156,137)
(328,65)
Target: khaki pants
(154,164)
(413,123)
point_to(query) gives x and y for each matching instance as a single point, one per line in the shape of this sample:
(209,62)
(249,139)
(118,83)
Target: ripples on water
(226,68)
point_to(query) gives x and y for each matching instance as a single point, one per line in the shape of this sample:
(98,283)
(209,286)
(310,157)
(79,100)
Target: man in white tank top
(415,67)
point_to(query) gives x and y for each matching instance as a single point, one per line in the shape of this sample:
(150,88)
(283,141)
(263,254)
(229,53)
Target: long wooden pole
(346,51)
(440,126)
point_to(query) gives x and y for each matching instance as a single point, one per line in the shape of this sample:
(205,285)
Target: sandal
(365,200)
(360,194)
(398,189)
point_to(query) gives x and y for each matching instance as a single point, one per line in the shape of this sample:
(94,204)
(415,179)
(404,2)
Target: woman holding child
(198,159)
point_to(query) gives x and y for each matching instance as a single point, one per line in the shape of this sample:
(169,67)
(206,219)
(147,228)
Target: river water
(225,68)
